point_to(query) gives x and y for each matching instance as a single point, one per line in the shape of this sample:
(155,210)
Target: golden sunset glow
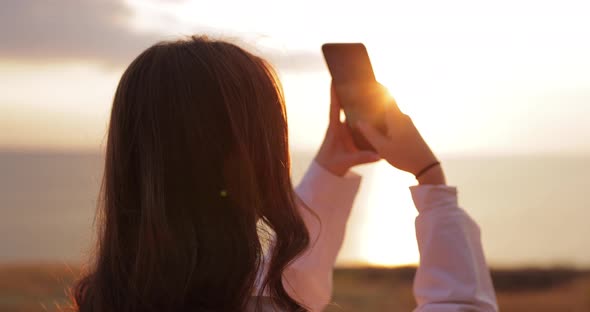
(477,78)
(388,234)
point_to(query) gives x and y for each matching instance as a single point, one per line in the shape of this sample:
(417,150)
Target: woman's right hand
(403,146)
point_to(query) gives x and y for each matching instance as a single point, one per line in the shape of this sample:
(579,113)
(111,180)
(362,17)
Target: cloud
(94,31)
(69,30)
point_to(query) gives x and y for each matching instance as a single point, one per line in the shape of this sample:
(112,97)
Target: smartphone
(359,94)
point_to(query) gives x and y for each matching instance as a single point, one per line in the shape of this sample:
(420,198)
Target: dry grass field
(34,288)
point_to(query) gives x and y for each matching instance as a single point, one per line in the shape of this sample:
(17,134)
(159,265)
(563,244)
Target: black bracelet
(423,171)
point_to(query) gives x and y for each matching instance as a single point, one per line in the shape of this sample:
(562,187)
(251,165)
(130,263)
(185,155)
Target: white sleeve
(309,278)
(453,274)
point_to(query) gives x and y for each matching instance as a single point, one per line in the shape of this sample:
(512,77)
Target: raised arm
(453,274)
(326,196)
(325,201)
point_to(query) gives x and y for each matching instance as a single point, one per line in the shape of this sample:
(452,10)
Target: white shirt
(452,275)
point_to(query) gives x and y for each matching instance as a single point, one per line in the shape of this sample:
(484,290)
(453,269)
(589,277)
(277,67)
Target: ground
(44,287)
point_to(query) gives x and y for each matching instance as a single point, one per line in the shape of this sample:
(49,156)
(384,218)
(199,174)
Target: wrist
(434,176)
(330,167)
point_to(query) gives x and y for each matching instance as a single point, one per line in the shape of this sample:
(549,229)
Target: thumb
(372,135)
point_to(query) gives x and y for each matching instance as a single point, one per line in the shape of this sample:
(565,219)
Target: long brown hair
(197,166)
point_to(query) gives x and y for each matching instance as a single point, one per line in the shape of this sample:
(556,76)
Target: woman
(198,212)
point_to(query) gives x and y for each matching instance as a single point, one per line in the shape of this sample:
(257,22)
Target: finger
(334,107)
(393,104)
(394,118)
(347,137)
(372,135)
(391,117)
(363,157)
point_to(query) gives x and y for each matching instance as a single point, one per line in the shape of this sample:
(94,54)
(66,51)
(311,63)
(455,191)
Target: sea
(532,210)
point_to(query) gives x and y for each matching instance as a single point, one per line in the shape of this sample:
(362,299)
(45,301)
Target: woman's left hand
(338,152)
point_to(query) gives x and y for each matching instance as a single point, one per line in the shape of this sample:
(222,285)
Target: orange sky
(503,77)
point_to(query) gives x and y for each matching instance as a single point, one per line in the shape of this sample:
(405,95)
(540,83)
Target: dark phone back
(348,62)
(359,93)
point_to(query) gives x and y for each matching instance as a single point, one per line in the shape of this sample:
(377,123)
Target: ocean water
(533,211)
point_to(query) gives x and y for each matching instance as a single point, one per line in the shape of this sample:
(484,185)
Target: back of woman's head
(197,165)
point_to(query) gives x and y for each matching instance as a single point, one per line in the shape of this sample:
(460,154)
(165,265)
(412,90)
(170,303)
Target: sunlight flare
(388,234)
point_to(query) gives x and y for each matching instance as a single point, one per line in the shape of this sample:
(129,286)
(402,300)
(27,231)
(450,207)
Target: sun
(388,236)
